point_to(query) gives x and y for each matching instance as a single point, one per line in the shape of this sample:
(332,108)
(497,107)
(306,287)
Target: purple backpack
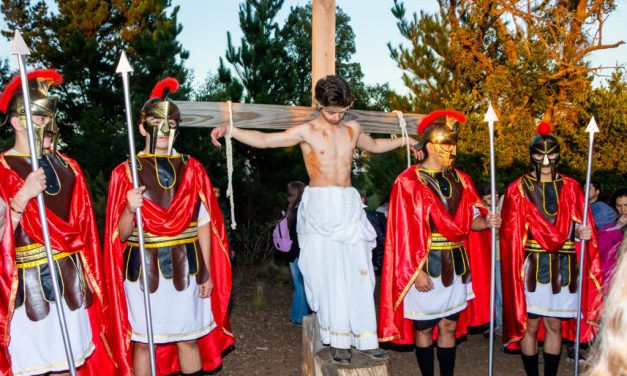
(281,235)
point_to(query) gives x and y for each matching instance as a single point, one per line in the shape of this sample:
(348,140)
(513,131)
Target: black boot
(551,364)
(424,356)
(446,357)
(530,362)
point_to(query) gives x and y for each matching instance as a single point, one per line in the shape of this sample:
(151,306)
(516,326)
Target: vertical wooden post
(322,41)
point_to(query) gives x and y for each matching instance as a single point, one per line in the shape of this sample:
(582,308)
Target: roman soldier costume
(539,251)
(430,214)
(30,339)
(178,200)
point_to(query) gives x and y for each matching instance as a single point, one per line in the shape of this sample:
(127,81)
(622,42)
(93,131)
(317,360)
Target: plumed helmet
(441,129)
(544,149)
(160,106)
(41,103)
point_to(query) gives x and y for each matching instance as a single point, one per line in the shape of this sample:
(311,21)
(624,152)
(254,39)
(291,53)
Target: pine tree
(83,40)
(531,59)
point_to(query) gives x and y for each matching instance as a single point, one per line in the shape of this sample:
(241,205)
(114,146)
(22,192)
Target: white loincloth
(439,302)
(336,242)
(36,347)
(544,303)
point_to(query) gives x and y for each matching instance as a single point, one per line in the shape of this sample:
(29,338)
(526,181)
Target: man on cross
(334,234)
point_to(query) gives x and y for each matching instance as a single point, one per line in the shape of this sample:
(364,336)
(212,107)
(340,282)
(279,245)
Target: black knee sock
(530,362)
(551,363)
(424,356)
(446,357)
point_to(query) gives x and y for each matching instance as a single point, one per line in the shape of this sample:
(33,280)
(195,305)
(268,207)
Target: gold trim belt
(533,246)
(439,242)
(32,255)
(189,235)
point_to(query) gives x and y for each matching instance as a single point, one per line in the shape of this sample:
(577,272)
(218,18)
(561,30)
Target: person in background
(609,234)
(378,221)
(300,307)
(609,353)
(619,201)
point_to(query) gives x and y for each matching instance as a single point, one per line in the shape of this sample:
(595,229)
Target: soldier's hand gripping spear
(20,50)
(591,130)
(124,68)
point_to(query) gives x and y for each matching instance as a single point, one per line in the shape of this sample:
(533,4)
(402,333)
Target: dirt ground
(267,344)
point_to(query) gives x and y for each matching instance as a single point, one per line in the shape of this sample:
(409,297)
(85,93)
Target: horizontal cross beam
(277,117)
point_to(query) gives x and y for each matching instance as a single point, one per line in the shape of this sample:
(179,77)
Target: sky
(206,22)
(371,20)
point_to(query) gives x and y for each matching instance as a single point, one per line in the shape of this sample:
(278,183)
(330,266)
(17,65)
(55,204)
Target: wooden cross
(263,116)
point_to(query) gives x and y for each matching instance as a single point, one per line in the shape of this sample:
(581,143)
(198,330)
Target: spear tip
(490,115)
(19,47)
(592,126)
(123,65)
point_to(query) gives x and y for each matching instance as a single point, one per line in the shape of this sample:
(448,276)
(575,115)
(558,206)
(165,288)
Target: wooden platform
(317,358)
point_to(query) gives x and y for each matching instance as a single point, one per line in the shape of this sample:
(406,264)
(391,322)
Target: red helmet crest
(44,74)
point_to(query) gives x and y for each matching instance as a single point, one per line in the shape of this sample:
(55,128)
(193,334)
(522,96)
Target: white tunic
(336,242)
(36,347)
(176,315)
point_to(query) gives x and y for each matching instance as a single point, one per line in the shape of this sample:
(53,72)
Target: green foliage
(83,40)
(608,104)
(532,63)
(261,60)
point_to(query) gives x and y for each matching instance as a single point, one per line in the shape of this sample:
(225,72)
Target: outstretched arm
(289,137)
(380,145)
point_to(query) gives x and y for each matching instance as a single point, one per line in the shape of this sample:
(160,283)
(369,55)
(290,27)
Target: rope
(229,166)
(403,125)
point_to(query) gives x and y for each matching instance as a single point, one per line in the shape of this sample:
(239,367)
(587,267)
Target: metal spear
(124,68)
(591,130)
(20,49)
(490,117)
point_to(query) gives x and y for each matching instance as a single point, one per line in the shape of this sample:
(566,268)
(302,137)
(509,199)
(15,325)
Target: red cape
(79,234)
(194,185)
(519,214)
(407,245)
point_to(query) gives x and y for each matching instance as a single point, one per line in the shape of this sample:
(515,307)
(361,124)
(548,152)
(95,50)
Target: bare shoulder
(353,124)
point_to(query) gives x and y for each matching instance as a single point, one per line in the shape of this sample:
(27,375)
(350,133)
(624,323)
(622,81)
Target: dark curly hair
(333,91)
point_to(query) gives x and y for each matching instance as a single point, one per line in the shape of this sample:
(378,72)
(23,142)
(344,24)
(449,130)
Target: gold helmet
(441,129)
(160,107)
(42,104)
